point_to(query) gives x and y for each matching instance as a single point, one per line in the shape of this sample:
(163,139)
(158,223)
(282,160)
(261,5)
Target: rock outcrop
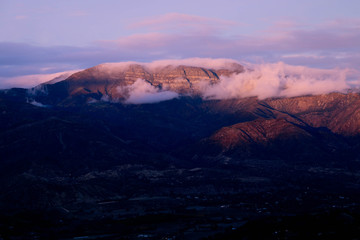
(105,80)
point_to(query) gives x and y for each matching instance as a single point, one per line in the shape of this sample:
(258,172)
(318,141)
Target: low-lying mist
(143,92)
(281,80)
(258,80)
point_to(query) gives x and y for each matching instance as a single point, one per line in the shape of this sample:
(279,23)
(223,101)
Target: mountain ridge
(76,161)
(102,80)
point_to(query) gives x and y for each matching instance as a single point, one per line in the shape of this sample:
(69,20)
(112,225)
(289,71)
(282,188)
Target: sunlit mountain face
(183,149)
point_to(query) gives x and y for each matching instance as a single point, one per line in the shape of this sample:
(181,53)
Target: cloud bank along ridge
(282,80)
(258,80)
(209,63)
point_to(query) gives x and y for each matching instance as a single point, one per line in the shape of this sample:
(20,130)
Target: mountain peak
(109,79)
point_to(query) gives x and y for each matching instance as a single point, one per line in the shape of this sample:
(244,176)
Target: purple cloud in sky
(332,43)
(183,22)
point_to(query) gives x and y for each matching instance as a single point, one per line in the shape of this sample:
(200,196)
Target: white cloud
(210,63)
(143,92)
(37,104)
(260,80)
(281,80)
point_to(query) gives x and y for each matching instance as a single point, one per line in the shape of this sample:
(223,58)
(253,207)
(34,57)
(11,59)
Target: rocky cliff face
(338,112)
(105,79)
(306,127)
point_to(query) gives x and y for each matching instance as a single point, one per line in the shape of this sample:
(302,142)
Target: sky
(49,36)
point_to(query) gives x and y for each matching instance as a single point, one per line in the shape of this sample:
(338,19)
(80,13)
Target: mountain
(77,159)
(306,127)
(106,80)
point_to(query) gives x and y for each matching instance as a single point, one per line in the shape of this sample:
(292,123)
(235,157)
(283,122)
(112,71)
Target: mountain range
(118,141)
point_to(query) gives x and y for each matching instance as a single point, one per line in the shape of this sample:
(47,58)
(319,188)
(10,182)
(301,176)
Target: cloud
(210,63)
(144,41)
(258,80)
(28,81)
(18,59)
(143,92)
(323,42)
(21,17)
(353,23)
(282,80)
(183,22)
(327,45)
(37,104)
(78,13)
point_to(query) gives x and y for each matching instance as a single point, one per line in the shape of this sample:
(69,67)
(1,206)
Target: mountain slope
(69,156)
(107,80)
